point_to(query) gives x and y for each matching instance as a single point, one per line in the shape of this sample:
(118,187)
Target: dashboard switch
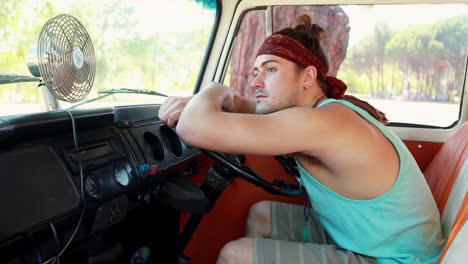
(124,124)
(153,169)
(143,169)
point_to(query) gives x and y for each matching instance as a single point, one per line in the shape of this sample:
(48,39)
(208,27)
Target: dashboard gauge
(93,187)
(121,175)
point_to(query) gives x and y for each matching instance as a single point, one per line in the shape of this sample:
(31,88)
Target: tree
(19,31)
(368,56)
(453,34)
(411,47)
(103,21)
(382,35)
(363,59)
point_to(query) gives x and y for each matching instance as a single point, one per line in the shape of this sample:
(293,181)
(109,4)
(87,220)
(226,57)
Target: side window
(412,68)
(249,37)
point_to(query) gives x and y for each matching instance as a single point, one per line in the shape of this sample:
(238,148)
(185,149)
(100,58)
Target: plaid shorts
(286,247)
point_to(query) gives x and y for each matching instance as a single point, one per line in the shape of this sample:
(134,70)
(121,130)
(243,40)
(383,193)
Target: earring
(306,86)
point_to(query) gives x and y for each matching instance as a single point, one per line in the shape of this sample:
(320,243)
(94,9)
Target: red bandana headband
(290,49)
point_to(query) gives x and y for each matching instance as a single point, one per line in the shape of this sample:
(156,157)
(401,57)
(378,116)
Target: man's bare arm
(172,108)
(204,124)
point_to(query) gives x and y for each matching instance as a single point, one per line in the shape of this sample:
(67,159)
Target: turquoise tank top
(400,226)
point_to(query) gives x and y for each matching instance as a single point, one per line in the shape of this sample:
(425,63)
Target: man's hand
(170,110)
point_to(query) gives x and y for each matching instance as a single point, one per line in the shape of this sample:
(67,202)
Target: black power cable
(56,259)
(57,241)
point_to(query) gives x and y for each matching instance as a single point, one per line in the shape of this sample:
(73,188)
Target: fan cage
(61,38)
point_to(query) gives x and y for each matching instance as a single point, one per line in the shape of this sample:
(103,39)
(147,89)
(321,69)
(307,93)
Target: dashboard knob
(93,186)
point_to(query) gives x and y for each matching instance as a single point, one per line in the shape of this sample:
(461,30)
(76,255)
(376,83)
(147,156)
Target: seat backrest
(456,247)
(447,176)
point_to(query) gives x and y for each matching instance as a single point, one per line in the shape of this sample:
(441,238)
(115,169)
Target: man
(370,200)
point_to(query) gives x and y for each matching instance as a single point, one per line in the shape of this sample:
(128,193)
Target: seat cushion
(455,200)
(455,250)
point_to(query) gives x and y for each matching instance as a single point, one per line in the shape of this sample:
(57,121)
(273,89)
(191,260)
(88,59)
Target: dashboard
(112,161)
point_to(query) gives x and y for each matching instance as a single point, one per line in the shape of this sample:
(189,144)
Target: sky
(163,15)
(160,14)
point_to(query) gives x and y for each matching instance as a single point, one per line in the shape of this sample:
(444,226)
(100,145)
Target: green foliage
(209,4)
(16,36)
(356,84)
(453,36)
(428,60)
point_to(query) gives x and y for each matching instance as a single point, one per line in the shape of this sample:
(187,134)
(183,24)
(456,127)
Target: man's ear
(310,74)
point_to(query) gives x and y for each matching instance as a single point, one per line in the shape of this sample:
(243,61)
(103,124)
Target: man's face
(277,83)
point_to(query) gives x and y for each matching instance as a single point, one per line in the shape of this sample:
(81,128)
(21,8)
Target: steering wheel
(231,162)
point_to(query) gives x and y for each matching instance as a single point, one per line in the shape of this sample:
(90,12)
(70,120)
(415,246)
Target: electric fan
(65,58)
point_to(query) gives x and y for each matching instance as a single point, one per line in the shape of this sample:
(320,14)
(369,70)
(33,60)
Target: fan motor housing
(78,58)
(32,61)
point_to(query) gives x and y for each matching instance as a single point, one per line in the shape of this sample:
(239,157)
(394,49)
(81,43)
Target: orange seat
(447,176)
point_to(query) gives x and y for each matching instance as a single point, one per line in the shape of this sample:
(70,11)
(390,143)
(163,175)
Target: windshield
(143,45)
